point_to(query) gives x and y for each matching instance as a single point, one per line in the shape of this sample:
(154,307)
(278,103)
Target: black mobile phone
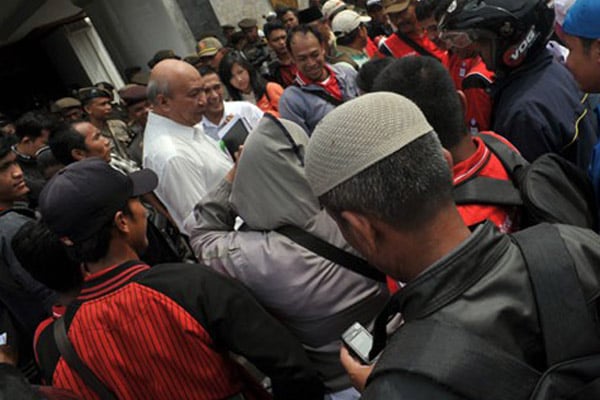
(235,136)
(359,341)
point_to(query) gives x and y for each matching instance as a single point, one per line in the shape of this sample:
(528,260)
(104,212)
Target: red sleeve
(479,109)
(36,337)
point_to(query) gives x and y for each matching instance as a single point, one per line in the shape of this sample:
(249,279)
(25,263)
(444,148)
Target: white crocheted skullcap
(358,134)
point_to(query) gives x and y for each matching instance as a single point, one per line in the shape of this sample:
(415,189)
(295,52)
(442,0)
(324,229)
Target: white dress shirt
(248,111)
(188,163)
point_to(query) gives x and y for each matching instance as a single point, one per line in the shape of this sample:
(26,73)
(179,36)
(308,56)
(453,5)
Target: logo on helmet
(515,55)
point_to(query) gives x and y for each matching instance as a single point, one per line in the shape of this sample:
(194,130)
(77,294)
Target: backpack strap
(567,327)
(510,159)
(331,252)
(325,96)
(416,46)
(462,361)
(482,190)
(69,354)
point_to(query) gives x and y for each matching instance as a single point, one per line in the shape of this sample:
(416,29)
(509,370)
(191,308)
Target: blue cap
(582,19)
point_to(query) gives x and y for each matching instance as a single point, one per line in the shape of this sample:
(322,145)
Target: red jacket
(473,78)
(395,46)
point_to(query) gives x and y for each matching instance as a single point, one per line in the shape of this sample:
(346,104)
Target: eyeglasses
(457,40)
(463,39)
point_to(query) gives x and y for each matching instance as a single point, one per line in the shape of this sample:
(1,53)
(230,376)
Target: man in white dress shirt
(188,162)
(218,112)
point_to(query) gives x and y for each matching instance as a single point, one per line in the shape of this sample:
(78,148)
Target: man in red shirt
(156,333)
(466,67)
(409,39)
(429,85)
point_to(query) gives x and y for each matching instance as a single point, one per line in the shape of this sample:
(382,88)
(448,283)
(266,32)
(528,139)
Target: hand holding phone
(358,340)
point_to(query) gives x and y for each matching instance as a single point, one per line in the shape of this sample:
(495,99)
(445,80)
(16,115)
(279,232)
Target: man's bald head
(176,91)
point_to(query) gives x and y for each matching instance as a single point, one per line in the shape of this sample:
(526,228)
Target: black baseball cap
(310,14)
(84,196)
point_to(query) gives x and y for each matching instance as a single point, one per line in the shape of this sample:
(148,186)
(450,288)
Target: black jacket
(538,108)
(482,286)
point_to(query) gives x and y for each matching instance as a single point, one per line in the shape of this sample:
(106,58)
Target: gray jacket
(300,105)
(315,298)
(483,286)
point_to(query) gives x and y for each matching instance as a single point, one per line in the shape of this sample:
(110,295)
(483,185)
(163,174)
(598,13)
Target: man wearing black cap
(96,103)
(136,102)
(68,108)
(255,50)
(153,333)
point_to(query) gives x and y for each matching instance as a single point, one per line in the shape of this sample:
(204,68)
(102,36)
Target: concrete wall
(232,11)
(134,30)
(200,17)
(64,60)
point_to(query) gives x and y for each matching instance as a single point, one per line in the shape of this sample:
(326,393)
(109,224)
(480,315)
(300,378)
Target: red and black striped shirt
(164,333)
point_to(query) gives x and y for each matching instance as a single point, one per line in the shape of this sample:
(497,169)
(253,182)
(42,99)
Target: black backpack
(474,368)
(550,189)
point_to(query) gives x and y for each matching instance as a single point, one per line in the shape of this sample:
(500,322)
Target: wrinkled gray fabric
(270,189)
(315,298)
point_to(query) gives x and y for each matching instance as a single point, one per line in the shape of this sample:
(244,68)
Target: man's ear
(448,157)
(78,154)
(162,102)
(360,232)
(121,222)
(596,50)
(86,108)
(463,101)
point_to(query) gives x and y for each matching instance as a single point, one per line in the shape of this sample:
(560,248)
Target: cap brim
(396,8)
(208,52)
(144,181)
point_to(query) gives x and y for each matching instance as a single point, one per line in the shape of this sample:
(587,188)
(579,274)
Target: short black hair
(272,26)
(426,9)
(44,256)
(45,159)
(6,144)
(281,11)
(64,139)
(32,123)
(370,71)
(426,82)
(207,70)
(304,30)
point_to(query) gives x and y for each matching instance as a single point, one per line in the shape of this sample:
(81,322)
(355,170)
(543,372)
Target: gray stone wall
(232,11)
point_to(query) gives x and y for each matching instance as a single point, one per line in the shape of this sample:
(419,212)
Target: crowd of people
(142,258)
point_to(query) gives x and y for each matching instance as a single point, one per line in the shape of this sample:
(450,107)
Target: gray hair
(406,189)
(155,88)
